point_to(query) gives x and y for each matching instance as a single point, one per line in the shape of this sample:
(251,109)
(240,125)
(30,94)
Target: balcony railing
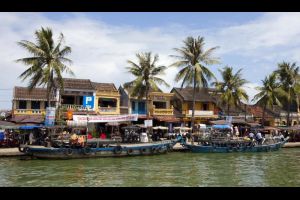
(107,109)
(73,107)
(29,112)
(202,113)
(162,111)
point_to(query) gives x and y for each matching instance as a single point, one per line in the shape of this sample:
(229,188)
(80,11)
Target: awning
(29,127)
(160,127)
(167,118)
(221,126)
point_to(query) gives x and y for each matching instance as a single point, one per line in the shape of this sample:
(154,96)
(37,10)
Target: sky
(103,42)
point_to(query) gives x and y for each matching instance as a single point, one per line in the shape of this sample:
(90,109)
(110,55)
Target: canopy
(29,127)
(221,126)
(183,128)
(160,127)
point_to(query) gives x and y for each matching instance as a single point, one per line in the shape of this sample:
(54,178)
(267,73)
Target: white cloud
(100,50)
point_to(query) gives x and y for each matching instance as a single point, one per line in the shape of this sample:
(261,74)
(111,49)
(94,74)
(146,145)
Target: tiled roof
(202,94)
(167,118)
(129,90)
(37,119)
(80,84)
(104,86)
(39,94)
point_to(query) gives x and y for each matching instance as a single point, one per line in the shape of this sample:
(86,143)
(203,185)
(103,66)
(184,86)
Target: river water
(279,168)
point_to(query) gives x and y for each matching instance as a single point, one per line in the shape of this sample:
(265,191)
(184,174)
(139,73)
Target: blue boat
(233,146)
(220,140)
(106,150)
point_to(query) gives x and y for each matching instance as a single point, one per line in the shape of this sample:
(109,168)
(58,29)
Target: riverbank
(7,152)
(291,144)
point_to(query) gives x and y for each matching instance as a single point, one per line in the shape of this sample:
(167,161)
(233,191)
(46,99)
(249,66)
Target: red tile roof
(23,93)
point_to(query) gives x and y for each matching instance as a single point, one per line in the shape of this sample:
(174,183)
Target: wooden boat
(220,141)
(233,146)
(106,150)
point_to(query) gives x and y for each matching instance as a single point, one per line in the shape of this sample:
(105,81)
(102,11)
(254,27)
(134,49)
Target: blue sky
(102,42)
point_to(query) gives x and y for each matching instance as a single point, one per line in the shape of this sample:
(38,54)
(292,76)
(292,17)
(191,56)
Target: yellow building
(205,104)
(29,106)
(107,99)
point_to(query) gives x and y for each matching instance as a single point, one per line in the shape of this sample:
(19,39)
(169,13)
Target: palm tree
(146,73)
(231,88)
(46,64)
(268,94)
(193,62)
(289,78)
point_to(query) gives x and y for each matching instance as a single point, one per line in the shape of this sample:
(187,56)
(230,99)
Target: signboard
(148,123)
(50,116)
(101,118)
(88,102)
(228,119)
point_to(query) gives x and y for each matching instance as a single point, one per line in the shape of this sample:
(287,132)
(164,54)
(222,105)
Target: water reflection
(175,169)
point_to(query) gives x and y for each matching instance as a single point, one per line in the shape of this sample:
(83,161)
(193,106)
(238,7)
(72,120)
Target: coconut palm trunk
(228,106)
(289,108)
(194,102)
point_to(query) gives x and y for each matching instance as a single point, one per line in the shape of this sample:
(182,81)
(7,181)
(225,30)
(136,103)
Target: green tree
(231,88)
(193,64)
(269,94)
(46,65)
(146,74)
(288,74)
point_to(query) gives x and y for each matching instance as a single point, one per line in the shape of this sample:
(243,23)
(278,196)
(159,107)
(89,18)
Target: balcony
(200,113)
(29,112)
(108,110)
(162,111)
(73,107)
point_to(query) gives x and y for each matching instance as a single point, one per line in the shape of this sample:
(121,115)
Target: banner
(100,118)
(148,123)
(50,116)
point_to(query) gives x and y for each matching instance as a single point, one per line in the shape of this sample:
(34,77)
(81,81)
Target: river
(279,168)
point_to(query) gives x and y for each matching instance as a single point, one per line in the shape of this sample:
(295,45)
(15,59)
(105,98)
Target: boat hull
(217,149)
(114,151)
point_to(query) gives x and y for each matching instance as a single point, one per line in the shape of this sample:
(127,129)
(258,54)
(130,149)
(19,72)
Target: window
(133,105)
(160,104)
(35,105)
(142,106)
(22,104)
(205,106)
(107,103)
(68,99)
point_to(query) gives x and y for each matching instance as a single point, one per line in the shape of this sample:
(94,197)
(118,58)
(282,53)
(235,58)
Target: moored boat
(108,150)
(233,146)
(221,141)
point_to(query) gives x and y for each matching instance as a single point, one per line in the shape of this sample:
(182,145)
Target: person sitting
(251,136)
(74,139)
(259,137)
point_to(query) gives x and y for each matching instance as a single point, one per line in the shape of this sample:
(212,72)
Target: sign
(101,118)
(88,102)
(50,116)
(148,123)
(228,119)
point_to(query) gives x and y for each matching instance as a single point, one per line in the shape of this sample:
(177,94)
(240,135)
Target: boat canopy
(160,127)
(221,126)
(29,127)
(183,128)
